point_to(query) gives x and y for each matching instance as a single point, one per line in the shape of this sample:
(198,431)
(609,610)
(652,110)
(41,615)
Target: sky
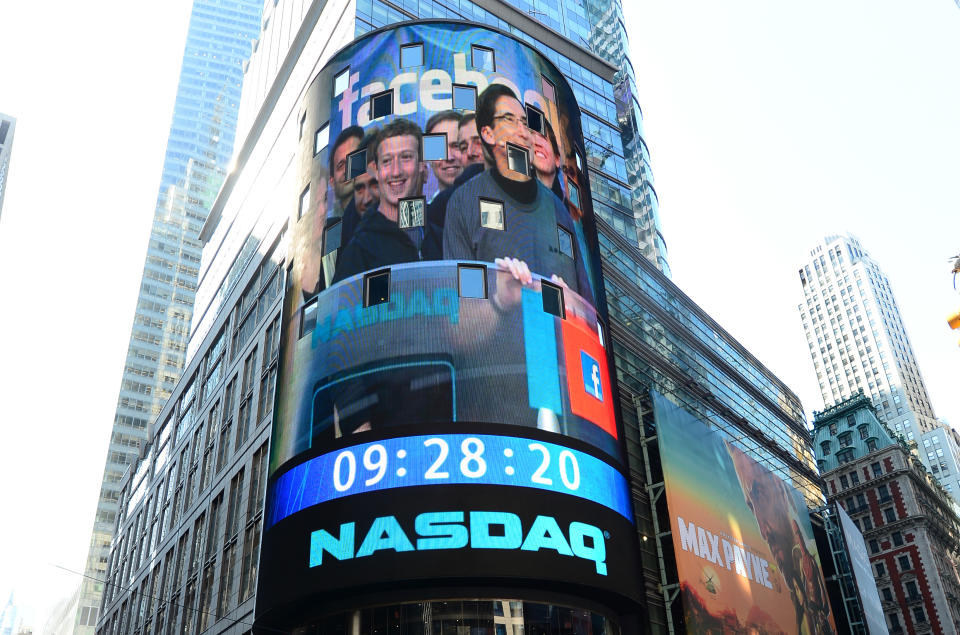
(770,125)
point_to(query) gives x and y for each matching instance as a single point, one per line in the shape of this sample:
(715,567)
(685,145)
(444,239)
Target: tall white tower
(856,337)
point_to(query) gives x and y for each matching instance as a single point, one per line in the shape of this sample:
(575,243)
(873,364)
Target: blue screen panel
(448,459)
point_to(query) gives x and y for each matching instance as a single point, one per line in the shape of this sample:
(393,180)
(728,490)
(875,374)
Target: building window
(376,288)
(331,237)
(844,483)
(411,212)
(303,122)
(309,320)
(321,138)
(897,538)
(535,119)
(573,193)
(356,164)
(883,493)
(483,58)
(833,426)
(845,439)
(904,562)
(877,470)
(874,546)
(552,299)
(518,159)
(851,421)
(880,569)
(867,523)
(472,281)
(549,90)
(491,214)
(825,447)
(411,55)
(464,97)
(854,478)
(435,147)
(304,202)
(341,82)
(565,241)
(890,515)
(887,594)
(919,615)
(381,104)
(871,445)
(911,589)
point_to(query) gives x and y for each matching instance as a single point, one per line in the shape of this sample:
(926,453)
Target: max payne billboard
(746,555)
(445,413)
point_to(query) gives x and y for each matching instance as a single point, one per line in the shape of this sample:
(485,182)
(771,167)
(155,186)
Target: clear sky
(774,124)
(92,86)
(770,125)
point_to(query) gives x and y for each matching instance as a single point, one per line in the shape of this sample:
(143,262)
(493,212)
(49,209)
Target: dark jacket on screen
(377,242)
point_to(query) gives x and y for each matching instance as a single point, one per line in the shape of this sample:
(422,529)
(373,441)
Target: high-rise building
(447,371)
(198,154)
(856,336)
(908,521)
(8,126)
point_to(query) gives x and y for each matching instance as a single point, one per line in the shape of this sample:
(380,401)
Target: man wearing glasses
(505,215)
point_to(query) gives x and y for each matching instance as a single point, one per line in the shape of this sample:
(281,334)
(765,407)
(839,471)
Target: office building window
(376,288)
(356,164)
(464,97)
(483,58)
(904,562)
(411,212)
(434,147)
(472,281)
(411,55)
(304,202)
(321,138)
(381,104)
(552,299)
(491,214)
(341,81)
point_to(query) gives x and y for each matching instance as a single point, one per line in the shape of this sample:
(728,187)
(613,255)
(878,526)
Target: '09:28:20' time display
(448,459)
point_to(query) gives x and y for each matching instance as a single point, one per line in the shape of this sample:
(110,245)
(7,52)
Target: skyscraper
(856,336)
(8,126)
(198,529)
(199,150)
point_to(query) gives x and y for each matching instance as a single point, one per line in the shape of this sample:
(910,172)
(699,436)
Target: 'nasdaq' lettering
(447,530)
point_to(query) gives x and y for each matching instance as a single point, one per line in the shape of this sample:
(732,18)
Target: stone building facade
(908,522)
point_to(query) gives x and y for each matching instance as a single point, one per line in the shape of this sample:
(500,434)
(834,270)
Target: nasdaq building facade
(431,316)
(445,423)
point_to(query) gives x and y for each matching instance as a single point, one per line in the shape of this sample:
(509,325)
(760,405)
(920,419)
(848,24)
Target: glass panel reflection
(464,617)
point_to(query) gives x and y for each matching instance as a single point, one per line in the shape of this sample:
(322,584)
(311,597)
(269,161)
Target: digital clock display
(448,459)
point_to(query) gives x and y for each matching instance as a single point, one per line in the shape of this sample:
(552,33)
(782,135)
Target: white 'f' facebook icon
(591,376)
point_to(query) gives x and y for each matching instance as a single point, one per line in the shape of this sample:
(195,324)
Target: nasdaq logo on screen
(591,376)
(447,530)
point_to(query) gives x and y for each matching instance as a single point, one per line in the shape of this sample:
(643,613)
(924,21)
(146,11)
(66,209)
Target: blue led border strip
(411,461)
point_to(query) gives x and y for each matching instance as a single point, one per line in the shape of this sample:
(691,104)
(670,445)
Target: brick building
(911,530)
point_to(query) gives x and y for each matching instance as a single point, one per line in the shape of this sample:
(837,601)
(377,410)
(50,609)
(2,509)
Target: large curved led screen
(444,381)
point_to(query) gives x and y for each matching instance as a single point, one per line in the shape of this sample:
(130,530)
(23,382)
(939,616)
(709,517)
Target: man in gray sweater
(505,215)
